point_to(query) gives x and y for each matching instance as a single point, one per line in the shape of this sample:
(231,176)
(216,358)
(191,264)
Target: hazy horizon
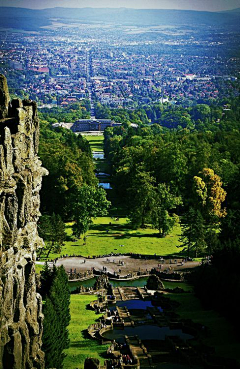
(199,5)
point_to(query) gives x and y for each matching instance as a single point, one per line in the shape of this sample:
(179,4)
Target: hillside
(28,19)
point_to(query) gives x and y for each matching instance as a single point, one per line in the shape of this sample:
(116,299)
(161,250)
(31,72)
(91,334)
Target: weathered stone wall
(20,181)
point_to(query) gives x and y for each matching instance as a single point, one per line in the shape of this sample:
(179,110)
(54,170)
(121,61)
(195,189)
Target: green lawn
(81,346)
(103,238)
(96,142)
(221,336)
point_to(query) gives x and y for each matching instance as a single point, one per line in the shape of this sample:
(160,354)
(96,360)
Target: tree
(141,195)
(210,195)
(163,202)
(52,230)
(202,222)
(201,112)
(193,231)
(46,277)
(89,203)
(69,162)
(57,318)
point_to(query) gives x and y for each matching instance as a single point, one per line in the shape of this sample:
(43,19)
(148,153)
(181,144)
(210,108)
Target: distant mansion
(88,125)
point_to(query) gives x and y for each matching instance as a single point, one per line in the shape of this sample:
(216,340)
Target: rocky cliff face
(20,181)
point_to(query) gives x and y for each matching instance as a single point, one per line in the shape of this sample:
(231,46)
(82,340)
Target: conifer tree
(57,318)
(46,279)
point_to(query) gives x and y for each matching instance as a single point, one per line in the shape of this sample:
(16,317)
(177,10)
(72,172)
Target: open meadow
(81,346)
(108,235)
(95,141)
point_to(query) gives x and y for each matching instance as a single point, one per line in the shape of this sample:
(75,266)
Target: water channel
(145,332)
(141,282)
(135,304)
(98,155)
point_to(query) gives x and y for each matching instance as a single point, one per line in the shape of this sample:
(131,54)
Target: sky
(208,5)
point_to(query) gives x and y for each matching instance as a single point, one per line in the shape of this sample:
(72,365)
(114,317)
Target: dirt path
(126,264)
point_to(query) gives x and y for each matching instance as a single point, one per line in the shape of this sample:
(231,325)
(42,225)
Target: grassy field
(95,141)
(110,236)
(221,336)
(96,144)
(104,238)
(81,346)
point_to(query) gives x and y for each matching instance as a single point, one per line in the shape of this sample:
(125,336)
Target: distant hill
(34,19)
(237,10)
(21,18)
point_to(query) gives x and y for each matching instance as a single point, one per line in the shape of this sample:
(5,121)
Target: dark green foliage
(164,202)
(193,231)
(57,318)
(89,203)
(69,114)
(141,195)
(121,115)
(218,285)
(52,229)
(153,155)
(68,160)
(46,278)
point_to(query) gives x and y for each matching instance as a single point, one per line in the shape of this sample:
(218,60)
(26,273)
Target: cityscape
(121,66)
(119,184)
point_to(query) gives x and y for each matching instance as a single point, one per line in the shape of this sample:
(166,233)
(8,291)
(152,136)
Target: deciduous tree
(90,202)
(164,201)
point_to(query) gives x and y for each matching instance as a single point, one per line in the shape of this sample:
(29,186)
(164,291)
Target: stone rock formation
(101,282)
(154,283)
(20,181)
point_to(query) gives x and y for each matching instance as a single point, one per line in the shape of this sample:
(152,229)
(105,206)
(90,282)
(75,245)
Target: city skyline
(203,5)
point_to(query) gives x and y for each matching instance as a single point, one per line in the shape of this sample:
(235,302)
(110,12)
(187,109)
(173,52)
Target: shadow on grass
(85,334)
(125,235)
(104,354)
(137,235)
(110,227)
(76,344)
(68,238)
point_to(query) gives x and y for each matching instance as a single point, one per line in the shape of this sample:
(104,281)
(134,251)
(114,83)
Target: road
(89,82)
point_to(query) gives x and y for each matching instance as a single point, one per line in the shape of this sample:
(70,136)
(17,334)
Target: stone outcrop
(20,181)
(154,283)
(101,282)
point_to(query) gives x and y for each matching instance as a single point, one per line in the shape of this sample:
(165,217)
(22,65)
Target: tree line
(173,116)
(68,114)
(70,191)
(162,173)
(166,173)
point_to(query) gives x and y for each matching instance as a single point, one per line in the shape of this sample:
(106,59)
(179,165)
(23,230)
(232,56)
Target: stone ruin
(21,174)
